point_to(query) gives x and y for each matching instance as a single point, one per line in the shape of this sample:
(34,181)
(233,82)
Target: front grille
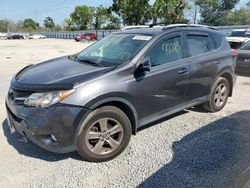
(17,96)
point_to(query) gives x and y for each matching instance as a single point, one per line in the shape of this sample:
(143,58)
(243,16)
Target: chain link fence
(102,33)
(72,34)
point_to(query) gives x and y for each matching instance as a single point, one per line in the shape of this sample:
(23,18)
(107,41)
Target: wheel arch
(126,106)
(228,75)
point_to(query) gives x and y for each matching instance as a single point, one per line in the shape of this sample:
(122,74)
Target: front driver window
(166,51)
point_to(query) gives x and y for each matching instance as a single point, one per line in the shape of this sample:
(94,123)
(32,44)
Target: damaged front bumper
(53,128)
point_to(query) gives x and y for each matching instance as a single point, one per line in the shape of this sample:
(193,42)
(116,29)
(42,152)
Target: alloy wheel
(220,96)
(104,136)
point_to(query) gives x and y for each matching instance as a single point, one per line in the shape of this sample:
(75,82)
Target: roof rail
(188,25)
(157,24)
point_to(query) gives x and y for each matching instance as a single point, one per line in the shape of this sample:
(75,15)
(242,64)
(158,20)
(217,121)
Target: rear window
(239,34)
(198,44)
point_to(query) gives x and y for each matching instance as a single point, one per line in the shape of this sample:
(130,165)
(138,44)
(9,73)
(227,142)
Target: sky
(57,9)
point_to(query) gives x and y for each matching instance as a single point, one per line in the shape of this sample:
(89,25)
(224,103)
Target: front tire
(104,134)
(219,96)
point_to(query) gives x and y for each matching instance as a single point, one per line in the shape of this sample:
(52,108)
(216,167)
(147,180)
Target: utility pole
(195,13)
(8,29)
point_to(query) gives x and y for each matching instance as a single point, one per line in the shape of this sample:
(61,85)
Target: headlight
(47,99)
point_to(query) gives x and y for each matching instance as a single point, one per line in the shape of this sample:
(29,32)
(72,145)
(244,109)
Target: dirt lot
(190,149)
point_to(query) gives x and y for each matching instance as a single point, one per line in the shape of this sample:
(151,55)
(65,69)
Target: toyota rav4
(93,101)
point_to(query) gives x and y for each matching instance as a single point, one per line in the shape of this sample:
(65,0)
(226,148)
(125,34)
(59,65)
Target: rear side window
(198,44)
(217,39)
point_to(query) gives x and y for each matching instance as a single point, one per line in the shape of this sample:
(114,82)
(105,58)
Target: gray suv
(95,100)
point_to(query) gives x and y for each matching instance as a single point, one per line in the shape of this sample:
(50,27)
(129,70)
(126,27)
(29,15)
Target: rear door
(203,62)
(164,87)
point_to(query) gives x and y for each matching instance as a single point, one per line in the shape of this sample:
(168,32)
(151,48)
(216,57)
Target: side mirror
(146,64)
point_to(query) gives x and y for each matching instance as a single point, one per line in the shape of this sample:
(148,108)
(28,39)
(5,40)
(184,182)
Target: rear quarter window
(217,40)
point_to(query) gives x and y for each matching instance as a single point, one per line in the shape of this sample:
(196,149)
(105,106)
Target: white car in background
(3,35)
(37,36)
(238,37)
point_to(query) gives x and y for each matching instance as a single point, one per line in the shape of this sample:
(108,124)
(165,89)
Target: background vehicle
(86,36)
(238,37)
(37,36)
(94,101)
(15,37)
(243,61)
(3,36)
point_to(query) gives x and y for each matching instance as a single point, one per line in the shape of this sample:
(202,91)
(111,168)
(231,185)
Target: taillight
(234,53)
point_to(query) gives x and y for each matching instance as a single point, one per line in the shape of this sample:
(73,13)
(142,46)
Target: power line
(52,7)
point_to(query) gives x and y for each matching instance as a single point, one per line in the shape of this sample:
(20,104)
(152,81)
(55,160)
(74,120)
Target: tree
(19,25)
(239,17)
(7,25)
(82,17)
(192,11)
(132,12)
(68,24)
(49,23)
(114,22)
(58,27)
(4,25)
(215,12)
(169,12)
(101,16)
(30,25)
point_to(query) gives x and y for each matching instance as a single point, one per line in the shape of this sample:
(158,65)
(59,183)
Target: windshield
(239,34)
(246,46)
(114,49)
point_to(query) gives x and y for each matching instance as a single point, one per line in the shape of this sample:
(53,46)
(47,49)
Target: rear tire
(219,96)
(104,134)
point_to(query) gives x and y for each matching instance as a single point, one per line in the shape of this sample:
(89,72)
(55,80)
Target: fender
(106,99)
(100,100)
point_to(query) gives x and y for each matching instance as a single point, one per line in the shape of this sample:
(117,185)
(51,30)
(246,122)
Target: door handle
(183,71)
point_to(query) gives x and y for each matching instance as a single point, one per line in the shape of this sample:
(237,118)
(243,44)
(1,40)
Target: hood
(237,39)
(58,72)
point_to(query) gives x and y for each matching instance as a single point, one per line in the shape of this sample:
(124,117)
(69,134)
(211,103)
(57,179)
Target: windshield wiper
(73,57)
(76,58)
(89,62)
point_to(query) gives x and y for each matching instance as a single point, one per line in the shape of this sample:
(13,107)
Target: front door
(164,87)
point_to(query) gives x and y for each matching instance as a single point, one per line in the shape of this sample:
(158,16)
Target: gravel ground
(189,149)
